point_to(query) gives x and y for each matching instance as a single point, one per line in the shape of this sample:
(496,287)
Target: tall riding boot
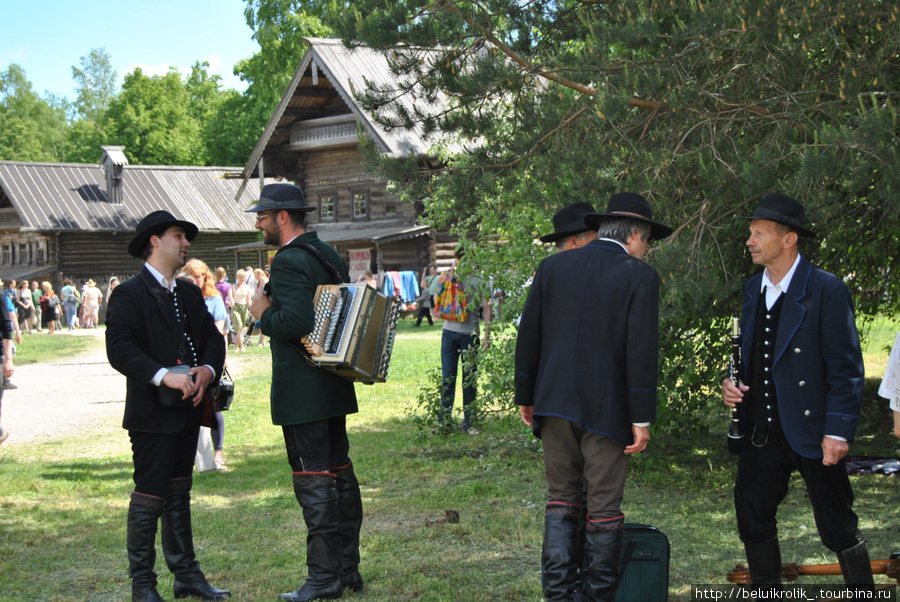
(560,555)
(143,515)
(855,565)
(764,562)
(317,494)
(178,545)
(602,556)
(350,501)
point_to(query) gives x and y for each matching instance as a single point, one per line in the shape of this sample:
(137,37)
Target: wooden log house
(65,220)
(311,140)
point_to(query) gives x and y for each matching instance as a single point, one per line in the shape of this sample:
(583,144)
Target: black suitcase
(645,565)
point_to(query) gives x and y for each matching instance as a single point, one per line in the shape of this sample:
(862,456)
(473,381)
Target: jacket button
(802,383)
(796,350)
(806,413)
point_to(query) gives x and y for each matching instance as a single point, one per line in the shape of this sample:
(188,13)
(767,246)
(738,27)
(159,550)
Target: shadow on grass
(87,470)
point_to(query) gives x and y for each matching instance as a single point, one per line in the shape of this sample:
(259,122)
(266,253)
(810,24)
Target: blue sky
(48,37)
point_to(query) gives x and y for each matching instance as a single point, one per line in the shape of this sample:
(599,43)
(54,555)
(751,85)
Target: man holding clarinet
(799,398)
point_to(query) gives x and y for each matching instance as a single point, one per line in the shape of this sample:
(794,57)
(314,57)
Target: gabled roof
(72,196)
(329,66)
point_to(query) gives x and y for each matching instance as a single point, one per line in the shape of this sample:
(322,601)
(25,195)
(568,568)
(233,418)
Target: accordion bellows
(353,334)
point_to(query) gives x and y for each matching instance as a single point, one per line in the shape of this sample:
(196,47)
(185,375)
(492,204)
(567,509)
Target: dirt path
(53,399)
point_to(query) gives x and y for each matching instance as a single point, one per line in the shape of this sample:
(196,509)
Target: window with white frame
(326,207)
(360,205)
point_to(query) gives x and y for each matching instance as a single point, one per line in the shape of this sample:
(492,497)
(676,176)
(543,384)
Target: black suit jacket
(588,342)
(142,336)
(818,367)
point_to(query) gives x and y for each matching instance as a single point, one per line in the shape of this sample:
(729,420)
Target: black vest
(187,350)
(764,402)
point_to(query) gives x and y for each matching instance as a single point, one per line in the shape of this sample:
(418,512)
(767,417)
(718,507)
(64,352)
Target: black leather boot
(317,494)
(855,565)
(143,515)
(560,556)
(178,545)
(350,501)
(764,563)
(602,556)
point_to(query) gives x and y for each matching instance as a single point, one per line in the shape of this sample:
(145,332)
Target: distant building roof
(342,70)
(71,196)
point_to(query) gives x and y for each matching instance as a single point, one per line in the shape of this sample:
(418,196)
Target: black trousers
(762,483)
(317,446)
(159,457)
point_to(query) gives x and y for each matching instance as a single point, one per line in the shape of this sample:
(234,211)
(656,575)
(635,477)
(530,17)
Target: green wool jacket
(300,392)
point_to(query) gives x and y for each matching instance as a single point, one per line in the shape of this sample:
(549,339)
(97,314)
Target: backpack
(450,301)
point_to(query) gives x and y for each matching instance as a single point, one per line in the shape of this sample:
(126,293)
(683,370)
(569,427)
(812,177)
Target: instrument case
(644,568)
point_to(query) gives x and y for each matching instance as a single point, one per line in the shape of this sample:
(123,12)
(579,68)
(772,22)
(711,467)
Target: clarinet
(735,431)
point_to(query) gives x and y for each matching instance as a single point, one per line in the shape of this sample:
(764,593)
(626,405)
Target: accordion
(353,334)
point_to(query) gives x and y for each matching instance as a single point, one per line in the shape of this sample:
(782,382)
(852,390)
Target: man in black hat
(309,403)
(569,229)
(585,380)
(802,373)
(155,325)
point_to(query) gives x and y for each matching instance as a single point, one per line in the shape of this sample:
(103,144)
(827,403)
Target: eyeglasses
(261,216)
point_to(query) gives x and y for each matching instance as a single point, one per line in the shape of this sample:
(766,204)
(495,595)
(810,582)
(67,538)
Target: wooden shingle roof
(70,196)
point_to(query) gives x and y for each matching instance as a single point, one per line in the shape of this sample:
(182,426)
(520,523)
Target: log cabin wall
(100,255)
(338,174)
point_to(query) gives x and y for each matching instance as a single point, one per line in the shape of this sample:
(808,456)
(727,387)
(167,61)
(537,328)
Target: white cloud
(215,64)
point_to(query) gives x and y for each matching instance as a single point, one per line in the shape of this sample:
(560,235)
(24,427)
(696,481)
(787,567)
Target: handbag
(222,394)
(450,301)
(172,398)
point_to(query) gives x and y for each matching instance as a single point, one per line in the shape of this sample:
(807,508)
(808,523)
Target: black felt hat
(569,221)
(629,205)
(283,196)
(157,223)
(778,207)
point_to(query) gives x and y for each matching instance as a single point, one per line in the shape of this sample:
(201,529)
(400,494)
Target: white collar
(785,282)
(624,248)
(163,281)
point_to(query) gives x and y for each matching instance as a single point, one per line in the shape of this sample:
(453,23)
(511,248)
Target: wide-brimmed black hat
(630,205)
(778,207)
(569,221)
(157,223)
(282,196)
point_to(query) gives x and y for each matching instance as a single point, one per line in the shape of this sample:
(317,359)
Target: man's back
(588,340)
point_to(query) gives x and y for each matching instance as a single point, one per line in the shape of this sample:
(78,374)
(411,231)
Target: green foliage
(95,85)
(152,119)
(701,107)
(279,26)
(31,128)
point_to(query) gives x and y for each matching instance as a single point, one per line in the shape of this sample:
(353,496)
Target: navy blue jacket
(818,367)
(588,342)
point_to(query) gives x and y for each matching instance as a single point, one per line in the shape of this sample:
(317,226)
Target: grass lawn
(63,503)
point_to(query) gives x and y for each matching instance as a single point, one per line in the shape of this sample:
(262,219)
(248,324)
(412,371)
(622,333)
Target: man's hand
(182,382)
(731,394)
(8,368)
(833,450)
(202,377)
(527,413)
(641,438)
(261,303)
